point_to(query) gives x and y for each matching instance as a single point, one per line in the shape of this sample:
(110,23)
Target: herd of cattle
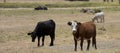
(80,31)
(98,14)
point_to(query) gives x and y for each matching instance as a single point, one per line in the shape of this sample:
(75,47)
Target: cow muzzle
(74,32)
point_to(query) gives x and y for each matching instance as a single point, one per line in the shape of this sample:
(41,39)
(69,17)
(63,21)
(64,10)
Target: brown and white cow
(83,31)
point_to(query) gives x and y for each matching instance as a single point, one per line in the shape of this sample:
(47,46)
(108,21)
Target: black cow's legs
(52,40)
(38,41)
(43,38)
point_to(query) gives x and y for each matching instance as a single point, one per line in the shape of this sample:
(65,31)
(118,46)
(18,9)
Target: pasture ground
(15,24)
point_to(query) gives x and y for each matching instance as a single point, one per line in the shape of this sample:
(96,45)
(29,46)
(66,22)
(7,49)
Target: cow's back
(89,26)
(87,29)
(49,23)
(45,27)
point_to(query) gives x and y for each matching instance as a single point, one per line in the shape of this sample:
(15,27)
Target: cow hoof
(51,44)
(87,49)
(42,44)
(75,50)
(38,46)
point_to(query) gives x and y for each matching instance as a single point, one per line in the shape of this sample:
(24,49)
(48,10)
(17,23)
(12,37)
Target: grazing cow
(84,10)
(42,29)
(41,8)
(82,31)
(96,11)
(93,11)
(97,16)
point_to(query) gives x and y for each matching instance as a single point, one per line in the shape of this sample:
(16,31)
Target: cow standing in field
(99,17)
(42,29)
(82,31)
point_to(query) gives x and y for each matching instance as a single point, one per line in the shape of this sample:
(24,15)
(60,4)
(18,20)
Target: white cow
(99,17)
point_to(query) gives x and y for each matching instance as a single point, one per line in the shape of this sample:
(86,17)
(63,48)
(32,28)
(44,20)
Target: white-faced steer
(83,31)
(42,29)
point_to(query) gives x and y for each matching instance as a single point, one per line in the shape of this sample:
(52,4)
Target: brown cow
(83,31)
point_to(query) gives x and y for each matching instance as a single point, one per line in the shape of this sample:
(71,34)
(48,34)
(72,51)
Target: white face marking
(73,25)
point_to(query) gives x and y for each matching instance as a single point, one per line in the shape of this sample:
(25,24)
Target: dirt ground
(15,24)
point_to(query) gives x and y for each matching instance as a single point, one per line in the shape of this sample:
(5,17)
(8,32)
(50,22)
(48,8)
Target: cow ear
(78,23)
(69,23)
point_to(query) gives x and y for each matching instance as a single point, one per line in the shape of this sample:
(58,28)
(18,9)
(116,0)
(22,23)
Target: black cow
(42,29)
(41,8)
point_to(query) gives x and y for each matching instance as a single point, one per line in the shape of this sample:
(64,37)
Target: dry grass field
(48,1)
(15,24)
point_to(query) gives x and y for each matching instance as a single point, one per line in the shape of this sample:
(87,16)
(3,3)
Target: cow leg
(94,42)
(97,19)
(75,44)
(103,20)
(52,39)
(43,38)
(81,44)
(95,45)
(88,41)
(38,41)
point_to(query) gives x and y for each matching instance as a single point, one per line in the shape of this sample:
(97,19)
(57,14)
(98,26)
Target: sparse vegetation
(14,28)
(16,23)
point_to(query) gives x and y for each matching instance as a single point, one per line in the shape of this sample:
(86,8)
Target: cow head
(33,36)
(74,25)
